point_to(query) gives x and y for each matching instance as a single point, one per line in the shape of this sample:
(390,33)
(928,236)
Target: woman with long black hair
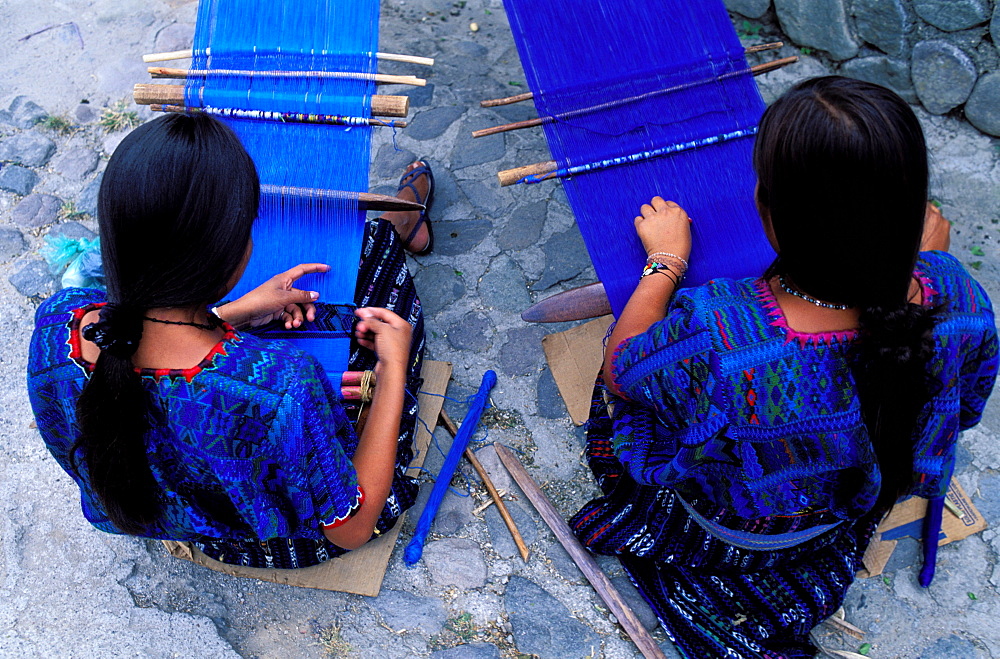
(752,433)
(178,424)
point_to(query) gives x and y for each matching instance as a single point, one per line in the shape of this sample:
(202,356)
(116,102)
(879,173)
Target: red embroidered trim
(75,342)
(350,513)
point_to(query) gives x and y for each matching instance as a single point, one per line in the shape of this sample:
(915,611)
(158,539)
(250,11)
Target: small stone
(473,332)
(504,287)
(885,71)
(438,286)
(881,23)
(455,562)
(952,15)
(943,76)
(503,541)
(550,402)
(177,36)
(473,27)
(460,236)
(390,163)
(952,647)
(29,149)
(24,113)
(983,107)
(76,163)
(469,151)
(12,243)
(402,610)
(634,599)
(468,651)
(749,8)
(522,354)
(818,24)
(17,179)
(85,113)
(524,226)
(454,513)
(86,202)
(433,123)
(543,626)
(36,210)
(73,230)
(565,258)
(33,279)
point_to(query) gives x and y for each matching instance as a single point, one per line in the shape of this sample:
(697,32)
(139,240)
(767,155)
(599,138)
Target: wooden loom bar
(590,301)
(378,123)
(757,70)
(522,548)
(386,57)
(379,78)
(512,176)
(148,94)
(509,100)
(367,200)
(626,617)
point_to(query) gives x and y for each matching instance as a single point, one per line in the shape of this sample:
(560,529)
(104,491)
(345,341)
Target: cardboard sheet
(906,519)
(575,357)
(362,570)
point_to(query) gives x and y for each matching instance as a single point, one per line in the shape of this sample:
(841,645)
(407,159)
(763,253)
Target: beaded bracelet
(652,257)
(664,268)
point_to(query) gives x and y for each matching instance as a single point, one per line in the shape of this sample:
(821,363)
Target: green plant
(806,51)
(118,117)
(68,211)
(333,644)
(57,124)
(747,30)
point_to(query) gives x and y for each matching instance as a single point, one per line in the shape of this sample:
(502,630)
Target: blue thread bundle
(662,87)
(415,549)
(233,36)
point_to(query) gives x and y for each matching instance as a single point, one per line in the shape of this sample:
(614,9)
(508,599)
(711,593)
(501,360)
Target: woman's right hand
(663,226)
(385,333)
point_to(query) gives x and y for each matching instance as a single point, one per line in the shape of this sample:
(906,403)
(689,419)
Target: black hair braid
(890,369)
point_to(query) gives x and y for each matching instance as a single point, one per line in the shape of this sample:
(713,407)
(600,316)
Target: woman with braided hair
(174,419)
(752,433)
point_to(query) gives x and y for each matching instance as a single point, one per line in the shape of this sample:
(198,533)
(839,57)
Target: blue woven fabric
(623,77)
(739,476)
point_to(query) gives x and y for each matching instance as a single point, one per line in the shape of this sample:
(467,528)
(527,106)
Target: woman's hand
(385,333)
(663,226)
(276,299)
(937,230)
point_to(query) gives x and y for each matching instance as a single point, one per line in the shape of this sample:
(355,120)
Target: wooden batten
(512,176)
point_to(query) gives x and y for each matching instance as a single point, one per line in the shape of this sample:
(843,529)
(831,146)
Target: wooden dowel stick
(378,123)
(512,176)
(367,200)
(578,303)
(626,617)
(522,548)
(509,100)
(540,121)
(387,57)
(379,78)
(148,94)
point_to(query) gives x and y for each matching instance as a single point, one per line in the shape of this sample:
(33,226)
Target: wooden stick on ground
(385,57)
(628,620)
(522,548)
(509,100)
(379,78)
(757,70)
(148,94)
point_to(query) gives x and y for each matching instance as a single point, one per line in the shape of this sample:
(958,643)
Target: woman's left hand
(276,299)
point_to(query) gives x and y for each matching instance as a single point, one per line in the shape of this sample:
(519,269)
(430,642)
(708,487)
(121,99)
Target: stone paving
(68,590)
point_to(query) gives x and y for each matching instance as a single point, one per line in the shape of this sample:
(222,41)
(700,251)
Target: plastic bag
(77,260)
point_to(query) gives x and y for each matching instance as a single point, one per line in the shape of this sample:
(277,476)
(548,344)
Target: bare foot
(404,221)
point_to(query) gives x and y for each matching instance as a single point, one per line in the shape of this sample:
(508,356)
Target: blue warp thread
(415,549)
(616,78)
(336,36)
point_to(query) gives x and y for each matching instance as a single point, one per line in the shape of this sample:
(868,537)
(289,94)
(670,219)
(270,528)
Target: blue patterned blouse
(759,420)
(257,424)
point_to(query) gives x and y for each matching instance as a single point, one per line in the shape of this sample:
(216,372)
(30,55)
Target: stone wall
(941,54)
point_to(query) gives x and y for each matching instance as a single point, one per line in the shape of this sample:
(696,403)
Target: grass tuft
(118,117)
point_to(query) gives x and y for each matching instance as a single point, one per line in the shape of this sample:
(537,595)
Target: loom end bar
(166,57)
(493,130)
(389,57)
(164,72)
(409,59)
(512,176)
(390,106)
(146,94)
(767,67)
(581,303)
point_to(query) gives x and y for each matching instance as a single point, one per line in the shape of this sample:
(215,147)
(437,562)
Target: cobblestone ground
(67,590)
